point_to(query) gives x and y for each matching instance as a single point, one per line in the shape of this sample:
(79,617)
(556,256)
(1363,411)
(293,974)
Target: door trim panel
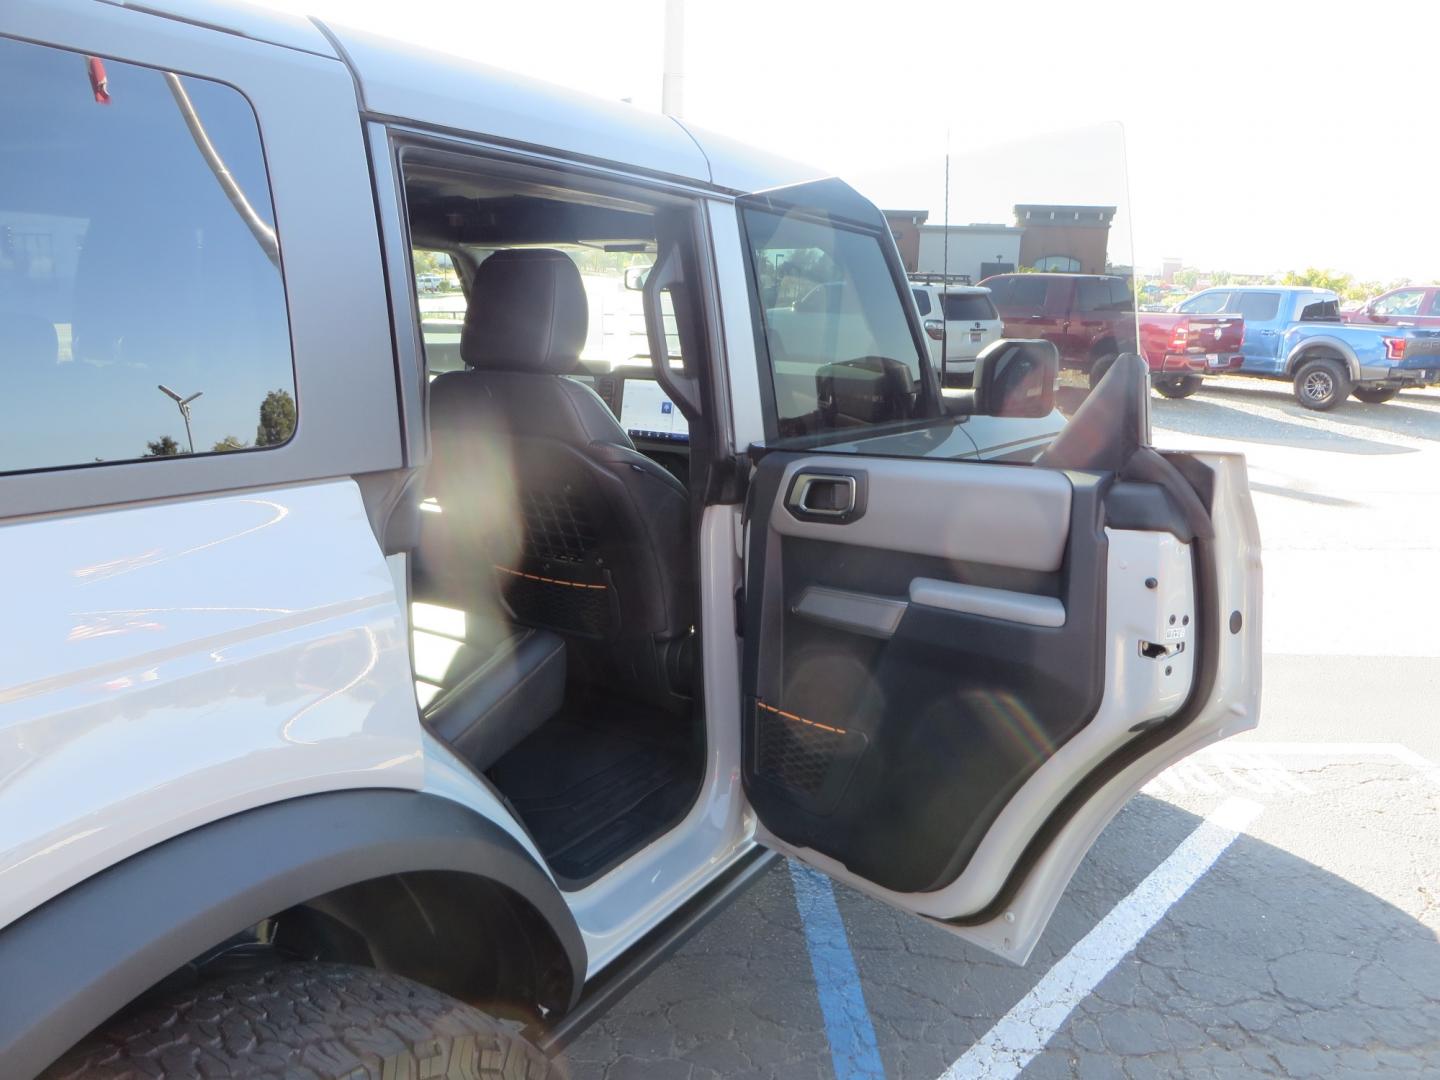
(962,511)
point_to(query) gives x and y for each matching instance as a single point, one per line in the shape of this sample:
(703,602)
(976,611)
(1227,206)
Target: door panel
(927,708)
(861,740)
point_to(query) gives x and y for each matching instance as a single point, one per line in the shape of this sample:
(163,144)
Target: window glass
(1321,311)
(1061,264)
(142,312)
(1092,294)
(1255,306)
(1405,302)
(1206,303)
(1122,294)
(1001,290)
(1434,303)
(1028,292)
(922,301)
(968,307)
(616,306)
(842,354)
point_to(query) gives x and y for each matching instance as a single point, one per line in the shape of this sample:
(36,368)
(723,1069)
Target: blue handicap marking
(667,407)
(853,1049)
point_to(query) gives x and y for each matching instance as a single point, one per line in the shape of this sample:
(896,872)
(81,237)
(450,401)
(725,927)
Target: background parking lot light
(184,406)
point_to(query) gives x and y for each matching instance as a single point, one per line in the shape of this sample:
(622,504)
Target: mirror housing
(1016,377)
(636,276)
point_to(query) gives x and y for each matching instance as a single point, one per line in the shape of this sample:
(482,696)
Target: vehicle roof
(1052,274)
(948,288)
(434,89)
(403,82)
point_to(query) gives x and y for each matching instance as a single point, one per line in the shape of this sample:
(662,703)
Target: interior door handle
(824,496)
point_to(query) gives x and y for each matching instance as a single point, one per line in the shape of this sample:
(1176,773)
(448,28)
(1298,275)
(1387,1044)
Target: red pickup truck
(1090,318)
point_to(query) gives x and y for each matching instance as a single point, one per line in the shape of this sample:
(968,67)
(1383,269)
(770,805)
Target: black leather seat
(543,492)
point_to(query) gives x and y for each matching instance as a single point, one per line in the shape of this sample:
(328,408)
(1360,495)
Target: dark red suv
(1089,317)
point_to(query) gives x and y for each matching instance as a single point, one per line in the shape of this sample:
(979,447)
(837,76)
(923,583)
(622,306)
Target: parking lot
(1267,908)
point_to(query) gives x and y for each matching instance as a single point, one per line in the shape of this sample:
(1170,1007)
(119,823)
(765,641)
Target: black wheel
(1177,386)
(1377,396)
(308,1020)
(1321,383)
(1099,366)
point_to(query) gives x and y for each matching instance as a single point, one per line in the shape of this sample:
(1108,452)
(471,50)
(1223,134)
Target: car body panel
(1191,344)
(182,661)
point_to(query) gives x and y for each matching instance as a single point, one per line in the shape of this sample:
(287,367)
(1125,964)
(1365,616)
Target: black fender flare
(83,955)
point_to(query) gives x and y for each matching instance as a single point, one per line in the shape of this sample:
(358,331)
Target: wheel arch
(1326,347)
(432,889)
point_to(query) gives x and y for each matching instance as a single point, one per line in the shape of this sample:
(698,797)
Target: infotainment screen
(646,413)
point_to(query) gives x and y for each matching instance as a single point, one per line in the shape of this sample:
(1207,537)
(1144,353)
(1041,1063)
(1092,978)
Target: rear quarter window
(968,307)
(922,301)
(142,309)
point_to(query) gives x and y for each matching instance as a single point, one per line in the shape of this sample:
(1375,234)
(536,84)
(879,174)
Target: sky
(1259,136)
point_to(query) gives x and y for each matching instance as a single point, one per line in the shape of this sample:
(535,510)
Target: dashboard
(643,408)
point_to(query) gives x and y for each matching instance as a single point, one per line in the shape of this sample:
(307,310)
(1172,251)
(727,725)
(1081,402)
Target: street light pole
(183,404)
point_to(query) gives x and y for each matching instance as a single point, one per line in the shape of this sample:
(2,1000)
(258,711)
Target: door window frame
(928,403)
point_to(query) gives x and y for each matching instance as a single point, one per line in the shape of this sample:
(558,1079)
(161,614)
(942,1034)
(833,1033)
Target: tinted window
(967,307)
(1434,303)
(142,312)
(1207,303)
(922,301)
(849,359)
(1000,290)
(1028,292)
(1321,311)
(1092,295)
(1255,306)
(1122,294)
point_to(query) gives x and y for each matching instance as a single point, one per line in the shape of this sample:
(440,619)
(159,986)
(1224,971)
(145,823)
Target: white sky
(1262,136)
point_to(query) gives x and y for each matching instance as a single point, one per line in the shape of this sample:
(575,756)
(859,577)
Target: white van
(414,684)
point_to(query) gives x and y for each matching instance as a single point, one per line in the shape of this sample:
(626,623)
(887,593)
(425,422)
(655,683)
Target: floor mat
(592,795)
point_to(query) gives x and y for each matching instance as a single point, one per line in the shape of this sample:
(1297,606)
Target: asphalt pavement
(1267,908)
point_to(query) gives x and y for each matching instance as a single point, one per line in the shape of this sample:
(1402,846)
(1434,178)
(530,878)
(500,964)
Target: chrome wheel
(1318,386)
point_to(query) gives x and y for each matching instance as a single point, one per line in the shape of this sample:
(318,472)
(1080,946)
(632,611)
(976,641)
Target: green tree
(230,442)
(1318,278)
(164,446)
(277,419)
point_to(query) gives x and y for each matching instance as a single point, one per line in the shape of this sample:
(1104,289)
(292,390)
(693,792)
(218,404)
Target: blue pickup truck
(1295,333)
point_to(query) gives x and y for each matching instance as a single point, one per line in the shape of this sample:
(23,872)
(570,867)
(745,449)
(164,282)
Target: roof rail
(940,279)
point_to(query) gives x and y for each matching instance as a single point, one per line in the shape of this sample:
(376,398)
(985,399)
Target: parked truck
(1296,333)
(1091,319)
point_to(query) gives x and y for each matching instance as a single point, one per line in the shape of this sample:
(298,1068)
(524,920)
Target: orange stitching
(801,719)
(548,580)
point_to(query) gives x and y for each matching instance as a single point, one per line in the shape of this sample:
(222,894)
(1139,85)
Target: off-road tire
(1099,366)
(1177,386)
(1376,396)
(1321,383)
(306,1021)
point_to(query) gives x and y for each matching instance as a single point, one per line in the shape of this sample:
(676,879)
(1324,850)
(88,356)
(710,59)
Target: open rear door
(956,672)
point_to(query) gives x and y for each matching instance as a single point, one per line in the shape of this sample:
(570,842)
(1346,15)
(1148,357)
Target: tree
(277,419)
(1318,278)
(230,442)
(164,446)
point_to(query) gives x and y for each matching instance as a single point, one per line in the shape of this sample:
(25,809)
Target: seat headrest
(527,312)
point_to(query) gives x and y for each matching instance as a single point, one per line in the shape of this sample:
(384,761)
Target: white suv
(959,320)
(358,723)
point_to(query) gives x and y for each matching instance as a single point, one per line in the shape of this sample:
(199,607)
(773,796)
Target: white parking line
(1340,751)
(1024,1031)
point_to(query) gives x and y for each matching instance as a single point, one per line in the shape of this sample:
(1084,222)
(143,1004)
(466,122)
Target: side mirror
(1016,377)
(635,277)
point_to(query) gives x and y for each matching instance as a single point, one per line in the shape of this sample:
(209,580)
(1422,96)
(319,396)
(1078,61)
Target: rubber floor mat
(591,796)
